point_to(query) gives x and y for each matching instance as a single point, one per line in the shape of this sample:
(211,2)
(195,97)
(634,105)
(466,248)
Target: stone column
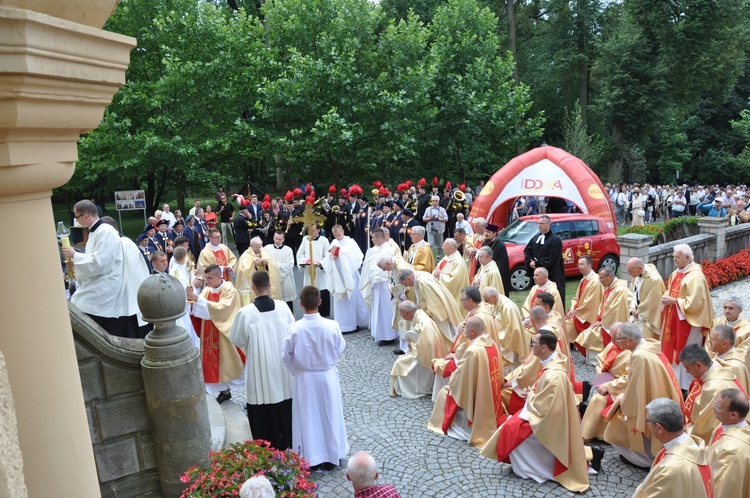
(58,71)
(633,245)
(173,381)
(11,461)
(718,228)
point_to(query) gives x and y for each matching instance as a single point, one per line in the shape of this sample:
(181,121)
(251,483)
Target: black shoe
(596,461)
(386,343)
(223,396)
(582,408)
(586,390)
(625,460)
(328,466)
(398,352)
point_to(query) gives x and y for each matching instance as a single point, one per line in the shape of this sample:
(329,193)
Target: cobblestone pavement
(421,463)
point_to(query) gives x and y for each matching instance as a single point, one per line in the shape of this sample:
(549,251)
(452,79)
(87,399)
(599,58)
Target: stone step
(228,423)
(217,422)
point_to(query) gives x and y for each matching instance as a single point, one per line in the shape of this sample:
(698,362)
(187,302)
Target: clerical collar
(684,268)
(279,247)
(713,366)
(545,285)
(590,275)
(679,439)
(551,357)
(732,324)
(477,337)
(310,316)
(721,356)
(216,290)
(738,425)
(213,247)
(95,225)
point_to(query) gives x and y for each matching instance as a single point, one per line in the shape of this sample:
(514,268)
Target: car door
(566,232)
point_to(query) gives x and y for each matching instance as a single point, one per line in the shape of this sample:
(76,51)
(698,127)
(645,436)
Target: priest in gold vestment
(470,407)
(585,305)
(251,261)
(733,317)
(646,289)
(216,306)
(451,271)
(722,350)
(681,467)
(216,253)
(543,441)
(420,254)
(514,341)
(542,283)
(434,299)
(729,448)
(649,377)
(710,379)
(488,274)
(687,314)
(411,375)
(613,308)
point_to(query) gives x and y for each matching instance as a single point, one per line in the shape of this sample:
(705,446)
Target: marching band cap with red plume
(289,196)
(462,187)
(435,181)
(332,189)
(377,184)
(422,182)
(448,185)
(265,205)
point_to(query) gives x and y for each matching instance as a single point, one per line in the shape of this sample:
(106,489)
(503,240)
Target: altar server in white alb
(344,257)
(260,329)
(317,260)
(283,256)
(312,348)
(376,291)
(100,275)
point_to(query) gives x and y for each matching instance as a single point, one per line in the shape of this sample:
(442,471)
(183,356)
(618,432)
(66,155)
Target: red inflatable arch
(544,171)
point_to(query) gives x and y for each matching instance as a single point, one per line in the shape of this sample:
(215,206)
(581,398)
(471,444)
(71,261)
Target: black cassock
(547,255)
(500,256)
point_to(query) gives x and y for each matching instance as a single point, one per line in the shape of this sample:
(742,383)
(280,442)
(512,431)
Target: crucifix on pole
(308,218)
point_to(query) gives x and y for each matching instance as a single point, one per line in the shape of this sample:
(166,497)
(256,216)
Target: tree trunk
(510,6)
(615,168)
(180,187)
(583,67)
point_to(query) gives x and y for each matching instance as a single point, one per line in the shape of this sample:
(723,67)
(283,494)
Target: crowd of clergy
(670,394)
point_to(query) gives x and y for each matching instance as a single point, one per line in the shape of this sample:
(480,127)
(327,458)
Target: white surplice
(184,273)
(349,308)
(312,348)
(284,258)
(377,292)
(319,250)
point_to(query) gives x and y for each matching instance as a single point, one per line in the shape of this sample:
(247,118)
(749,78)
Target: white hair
(685,250)
(435,198)
(362,470)
(257,487)
(479,222)
(418,230)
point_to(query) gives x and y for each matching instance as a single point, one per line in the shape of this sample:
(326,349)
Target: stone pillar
(633,245)
(173,382)
(58,71)
(718,228)
(11,461)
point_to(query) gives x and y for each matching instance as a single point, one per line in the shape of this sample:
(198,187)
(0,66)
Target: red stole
(664,361)
(581,288)
(604,301)
(696,387)
(610,358)
(675,331)
(210,346)
(221,260)
(705,472)
(473,267)
(717,435)
(442,264)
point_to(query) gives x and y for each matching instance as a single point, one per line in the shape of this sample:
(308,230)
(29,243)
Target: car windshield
(519,232)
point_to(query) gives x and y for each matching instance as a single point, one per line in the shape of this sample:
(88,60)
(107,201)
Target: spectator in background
(257,487)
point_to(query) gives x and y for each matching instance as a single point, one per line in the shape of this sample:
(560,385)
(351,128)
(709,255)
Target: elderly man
(729,449)
(544,250)
(509,325)
(614,308)
(362,472)
(721,344)
(710,379)
(216,253)
(452,271)
(462,223)
(434,299)
(681,467)
(542,283)
(610,381)
(470,407)
(649,377)
(499,255)
(734,318)
(472,244)
(435,217)
(687,314)
(374,285)
(411,375)
(168,215)
(488,275)
(256,259)
(420,254)
(344,259)
(585,305)
(646,289)
(543,441)
(216,306)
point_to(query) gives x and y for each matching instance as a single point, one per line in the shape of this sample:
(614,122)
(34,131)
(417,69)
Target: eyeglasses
(79,215)
(620,339)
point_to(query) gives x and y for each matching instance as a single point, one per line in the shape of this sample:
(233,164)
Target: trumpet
(336,208)
(322,203)
(459,196)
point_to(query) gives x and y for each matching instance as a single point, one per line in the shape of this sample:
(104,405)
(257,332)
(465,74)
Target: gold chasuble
(435,300)
(682,471)
(550,287)
(554,420)
(221,360)
(729,458)
(585,305)
(489,276)
(614,308)
(613,361)
(741,331)
(474,387)
(221,257)
(454,275)
(472,241)
(646,298)
(699,405)
(247,265)
(420,257)
(734,359)
(690,289)
(650,376)
(510,327)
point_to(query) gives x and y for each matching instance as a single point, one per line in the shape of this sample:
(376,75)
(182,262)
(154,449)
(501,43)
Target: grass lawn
(571,286)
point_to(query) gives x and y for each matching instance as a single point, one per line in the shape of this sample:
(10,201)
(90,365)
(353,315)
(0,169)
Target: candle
(65,241)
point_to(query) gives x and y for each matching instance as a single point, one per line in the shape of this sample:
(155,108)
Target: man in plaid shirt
(362,472)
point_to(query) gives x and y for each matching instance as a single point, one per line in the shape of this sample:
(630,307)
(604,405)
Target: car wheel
(519,278)
(609,261)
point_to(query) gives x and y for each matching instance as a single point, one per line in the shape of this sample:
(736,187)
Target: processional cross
(309,218)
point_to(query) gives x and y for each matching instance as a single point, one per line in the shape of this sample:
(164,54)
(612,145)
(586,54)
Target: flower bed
(727,270)
(676,228)
(230,468)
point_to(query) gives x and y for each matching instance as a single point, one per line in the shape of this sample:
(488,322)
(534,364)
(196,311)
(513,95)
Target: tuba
(459,196)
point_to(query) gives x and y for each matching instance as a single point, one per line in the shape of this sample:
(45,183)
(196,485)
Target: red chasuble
(676,331)
(221,260)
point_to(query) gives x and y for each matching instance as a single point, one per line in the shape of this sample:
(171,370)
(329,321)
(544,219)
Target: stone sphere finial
(161,298)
